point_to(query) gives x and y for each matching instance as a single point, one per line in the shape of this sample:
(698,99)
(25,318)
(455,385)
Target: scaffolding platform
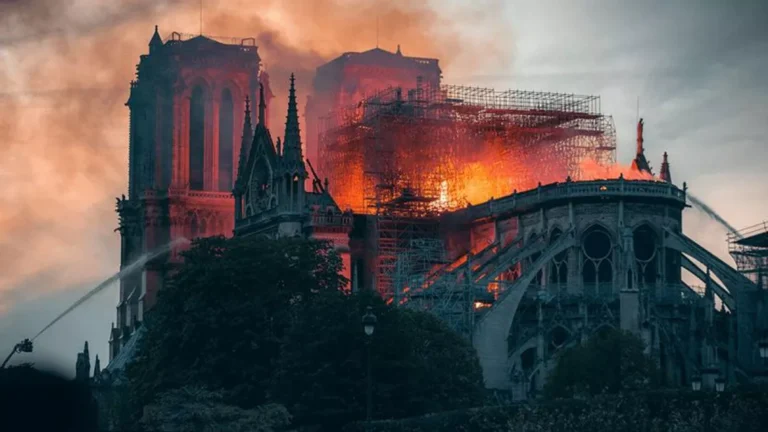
(405,156)
(749,248)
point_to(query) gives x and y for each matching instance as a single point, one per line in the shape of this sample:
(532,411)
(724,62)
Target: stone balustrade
(570,190)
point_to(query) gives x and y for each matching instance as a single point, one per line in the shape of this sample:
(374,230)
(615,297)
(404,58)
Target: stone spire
(245,145)
(96,368)
(83,365)
(640,163)
(262,106)
(665,174)
(292,139)
(156,41)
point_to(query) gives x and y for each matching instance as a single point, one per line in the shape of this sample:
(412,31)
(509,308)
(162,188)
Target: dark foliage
(220,322)
(655,411)
(418,365)
(34,400)
(611,361)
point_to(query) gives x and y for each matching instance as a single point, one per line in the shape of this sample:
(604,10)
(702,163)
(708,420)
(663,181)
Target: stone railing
(255,219)
(319,219)
(160,194)
(572,190)
(209,194)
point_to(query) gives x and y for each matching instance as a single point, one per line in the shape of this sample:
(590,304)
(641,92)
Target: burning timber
(453,145)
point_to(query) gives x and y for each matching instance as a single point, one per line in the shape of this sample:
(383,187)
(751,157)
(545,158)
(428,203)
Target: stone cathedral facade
(186,109)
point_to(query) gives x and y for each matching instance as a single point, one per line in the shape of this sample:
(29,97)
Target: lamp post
(23,346)
(762,348)
(719,384)
(696,383)
(369,325)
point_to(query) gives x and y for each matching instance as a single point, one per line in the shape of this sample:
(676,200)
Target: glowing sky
(65,66)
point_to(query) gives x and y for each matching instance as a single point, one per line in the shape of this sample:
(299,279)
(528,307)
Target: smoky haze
(65,68)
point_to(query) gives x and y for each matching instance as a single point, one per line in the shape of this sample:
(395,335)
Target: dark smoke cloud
(64,73)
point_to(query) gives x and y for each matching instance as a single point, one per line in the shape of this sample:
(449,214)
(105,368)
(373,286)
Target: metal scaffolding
(406,156)
(418,286)
(435,140)
(749,248)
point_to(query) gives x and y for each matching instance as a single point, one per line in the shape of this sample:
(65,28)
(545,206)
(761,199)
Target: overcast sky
(697,67)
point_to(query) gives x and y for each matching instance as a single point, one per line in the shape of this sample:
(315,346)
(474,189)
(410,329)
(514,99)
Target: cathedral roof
(377,56)
(127,353)
(322,199)
(262,144)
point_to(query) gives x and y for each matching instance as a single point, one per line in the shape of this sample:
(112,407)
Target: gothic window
(597,268)
(197,139)
(536,282)
(296,183)
(558,336)
(203,227)
(226,140)
(261,184)
(528,359)
(558,270)
(645,244)
(193,227)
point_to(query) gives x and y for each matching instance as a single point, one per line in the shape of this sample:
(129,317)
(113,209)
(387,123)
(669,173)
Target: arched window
(193,227)
(203,228)
(646,256)
(226,140)
(558,337)
(197,139)
(536,282)
(597,268)
(296,184)
(558,270)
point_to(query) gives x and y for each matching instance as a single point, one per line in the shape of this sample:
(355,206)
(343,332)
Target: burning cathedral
(503,213)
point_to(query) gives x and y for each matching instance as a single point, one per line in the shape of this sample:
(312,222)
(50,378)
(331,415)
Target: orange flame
(591,170)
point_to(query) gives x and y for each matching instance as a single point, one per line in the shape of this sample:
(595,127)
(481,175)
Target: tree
(195,409)
(35,399)
(419,365)
(609,362)
(220,322)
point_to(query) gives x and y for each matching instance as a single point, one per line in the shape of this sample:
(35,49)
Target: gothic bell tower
(186,108)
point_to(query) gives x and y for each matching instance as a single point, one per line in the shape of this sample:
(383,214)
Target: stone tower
(186,109)
(270,195)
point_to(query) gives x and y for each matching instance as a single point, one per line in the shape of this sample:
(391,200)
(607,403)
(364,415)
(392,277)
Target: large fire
(591,170)
(437,149)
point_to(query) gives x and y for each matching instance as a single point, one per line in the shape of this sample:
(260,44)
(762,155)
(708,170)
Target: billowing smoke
(64,73)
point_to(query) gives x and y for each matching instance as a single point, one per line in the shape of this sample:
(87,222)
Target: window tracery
(597,267)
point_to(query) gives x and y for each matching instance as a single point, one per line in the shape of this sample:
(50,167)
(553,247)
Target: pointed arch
(226,140)
(645,241)
(260,183)
(559,335)
(197,108)
(597,245)
(558,271)
(203,227)
(193,226)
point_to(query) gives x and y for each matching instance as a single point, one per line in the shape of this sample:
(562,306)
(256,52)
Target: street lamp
(369,321)
(762,347)
(369,325)
(696,382)
(720,384)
